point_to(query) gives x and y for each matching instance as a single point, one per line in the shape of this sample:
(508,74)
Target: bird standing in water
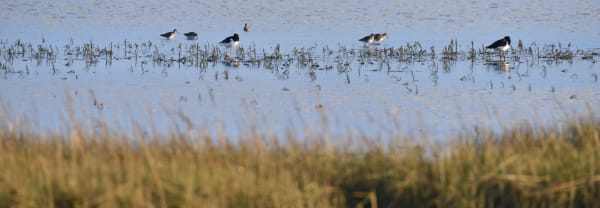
(501,46)
(191,35)
(230,42)
(247,28)
(380,37)
(368,39)
(169,35)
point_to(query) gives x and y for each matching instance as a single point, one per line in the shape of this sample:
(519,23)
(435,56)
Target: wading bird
(169,35)
(368,39)
(191,35)
(380,37)
(230,42)
(501,45)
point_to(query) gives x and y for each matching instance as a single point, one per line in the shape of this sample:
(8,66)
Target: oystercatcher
(230,42)
(501,45)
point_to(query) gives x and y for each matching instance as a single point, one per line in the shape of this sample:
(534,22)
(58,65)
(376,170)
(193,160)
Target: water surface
(433,96)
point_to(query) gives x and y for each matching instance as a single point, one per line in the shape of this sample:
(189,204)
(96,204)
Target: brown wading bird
(501,46)
(169,35)
(191,35)
(380,37)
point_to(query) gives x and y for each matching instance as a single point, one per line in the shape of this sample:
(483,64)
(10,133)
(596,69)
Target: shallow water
(305,22)
(435,96)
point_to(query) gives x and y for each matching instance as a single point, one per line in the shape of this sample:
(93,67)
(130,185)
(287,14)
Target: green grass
(522,167)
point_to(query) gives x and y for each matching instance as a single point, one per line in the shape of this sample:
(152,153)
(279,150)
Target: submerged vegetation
(203,55)
(526,166)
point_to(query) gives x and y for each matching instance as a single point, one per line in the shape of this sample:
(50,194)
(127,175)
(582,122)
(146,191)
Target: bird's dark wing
(366,38)
(226,40)
(497,44)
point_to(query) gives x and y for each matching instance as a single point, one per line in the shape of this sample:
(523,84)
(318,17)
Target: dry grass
(523,167)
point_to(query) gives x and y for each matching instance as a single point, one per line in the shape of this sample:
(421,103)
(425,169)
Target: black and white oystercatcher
(230,42)
(501,45)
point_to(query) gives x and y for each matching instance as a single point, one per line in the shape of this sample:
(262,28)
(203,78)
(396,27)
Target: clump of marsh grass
(557,53)
(523,166)
(204,55)
(451,50)
(411,52)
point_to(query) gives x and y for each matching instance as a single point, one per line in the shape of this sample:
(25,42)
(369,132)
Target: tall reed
(526,166)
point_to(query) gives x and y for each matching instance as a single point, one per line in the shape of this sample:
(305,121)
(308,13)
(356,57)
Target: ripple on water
(440,96)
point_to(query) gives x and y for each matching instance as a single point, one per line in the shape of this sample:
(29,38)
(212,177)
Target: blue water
(305,22)
(432,97)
